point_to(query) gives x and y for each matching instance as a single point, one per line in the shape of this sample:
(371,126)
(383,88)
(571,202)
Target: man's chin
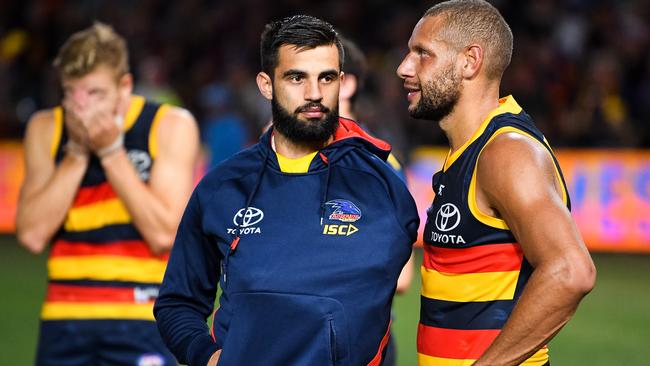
(414,111)
(311,120)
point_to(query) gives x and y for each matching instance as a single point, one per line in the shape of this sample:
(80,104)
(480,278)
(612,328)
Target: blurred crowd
(581,68)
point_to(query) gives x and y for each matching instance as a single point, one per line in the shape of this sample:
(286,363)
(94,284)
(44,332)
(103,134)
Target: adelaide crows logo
(344,211)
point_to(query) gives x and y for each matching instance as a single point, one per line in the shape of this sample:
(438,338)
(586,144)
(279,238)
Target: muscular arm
(156,207)
(517,182)
(48,189)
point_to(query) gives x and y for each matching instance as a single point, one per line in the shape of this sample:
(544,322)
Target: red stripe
(212,326)
(324,158)
(482,258)
(69,293)
(377,359)
(127,248)
(454,343)
(88,195)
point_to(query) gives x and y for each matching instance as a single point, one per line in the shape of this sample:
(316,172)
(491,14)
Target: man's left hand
(104,130)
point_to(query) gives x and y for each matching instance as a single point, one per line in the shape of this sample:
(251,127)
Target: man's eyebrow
(419,48)
(331,72)
(294,72)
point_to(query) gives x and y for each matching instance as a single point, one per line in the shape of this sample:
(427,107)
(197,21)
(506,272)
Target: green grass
(612,326)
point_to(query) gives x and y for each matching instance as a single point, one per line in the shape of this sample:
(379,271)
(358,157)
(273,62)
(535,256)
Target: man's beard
(312,132)
(439,96)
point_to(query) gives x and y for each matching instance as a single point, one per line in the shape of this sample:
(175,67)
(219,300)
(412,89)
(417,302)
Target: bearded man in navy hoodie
(305,232)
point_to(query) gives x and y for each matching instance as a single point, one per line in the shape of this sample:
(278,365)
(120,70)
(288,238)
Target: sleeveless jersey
(99,266)
(473,270)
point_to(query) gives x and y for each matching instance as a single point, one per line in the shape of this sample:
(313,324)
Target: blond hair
(476,21)
(94,46)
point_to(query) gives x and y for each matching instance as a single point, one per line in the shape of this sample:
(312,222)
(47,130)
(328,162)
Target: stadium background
(581,68)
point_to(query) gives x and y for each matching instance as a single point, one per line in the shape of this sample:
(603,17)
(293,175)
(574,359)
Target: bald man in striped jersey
(504,266)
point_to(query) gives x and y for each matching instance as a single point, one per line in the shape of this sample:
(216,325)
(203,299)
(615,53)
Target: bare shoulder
(515,165)
(41,126)
(177,133)
(176,121)
(43,119)
(177,117)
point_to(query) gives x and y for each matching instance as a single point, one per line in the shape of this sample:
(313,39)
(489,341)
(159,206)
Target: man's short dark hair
(355,64)
(301,31)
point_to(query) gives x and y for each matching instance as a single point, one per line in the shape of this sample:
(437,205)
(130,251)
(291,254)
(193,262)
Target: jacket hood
(348,136)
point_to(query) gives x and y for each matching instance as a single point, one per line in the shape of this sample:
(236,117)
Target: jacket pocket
(284,330)
(332,343)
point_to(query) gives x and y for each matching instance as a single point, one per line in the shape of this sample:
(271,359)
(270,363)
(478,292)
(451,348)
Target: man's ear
(265,85)
(473,61)
(348,87)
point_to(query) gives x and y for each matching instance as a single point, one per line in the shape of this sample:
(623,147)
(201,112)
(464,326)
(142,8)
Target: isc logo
(345,230)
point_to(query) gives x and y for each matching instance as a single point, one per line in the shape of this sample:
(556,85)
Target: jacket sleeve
(406,211)
(189,287)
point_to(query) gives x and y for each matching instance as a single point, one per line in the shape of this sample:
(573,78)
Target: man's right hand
(74,125)
(214,359)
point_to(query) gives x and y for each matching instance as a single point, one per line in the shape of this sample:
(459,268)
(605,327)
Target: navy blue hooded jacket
(307,263)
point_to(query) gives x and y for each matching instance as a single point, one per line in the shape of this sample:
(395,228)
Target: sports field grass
(612,326)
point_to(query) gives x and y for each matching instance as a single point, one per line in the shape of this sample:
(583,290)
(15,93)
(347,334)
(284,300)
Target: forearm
(188,292)
(185,333)
(153,219)
(41,213)
(545,306)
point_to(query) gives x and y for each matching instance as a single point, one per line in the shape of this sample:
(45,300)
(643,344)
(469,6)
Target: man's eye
(296,78)
(328,79)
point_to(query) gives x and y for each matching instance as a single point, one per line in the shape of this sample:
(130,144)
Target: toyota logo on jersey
(448,217)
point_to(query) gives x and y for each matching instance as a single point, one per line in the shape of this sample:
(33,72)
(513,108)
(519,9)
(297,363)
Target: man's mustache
(312,107)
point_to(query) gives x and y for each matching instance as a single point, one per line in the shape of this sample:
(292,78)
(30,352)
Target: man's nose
(313,92)
(406,69)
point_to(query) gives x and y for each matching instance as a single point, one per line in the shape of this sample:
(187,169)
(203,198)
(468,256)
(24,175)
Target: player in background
(108,174)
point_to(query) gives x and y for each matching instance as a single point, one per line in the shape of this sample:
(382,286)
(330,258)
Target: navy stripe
(465,315)
(472,315)
(138,135)
(103,235)
(95,283)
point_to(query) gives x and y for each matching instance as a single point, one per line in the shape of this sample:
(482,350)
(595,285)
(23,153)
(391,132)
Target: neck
(469,113)
(293,150)
(345,109)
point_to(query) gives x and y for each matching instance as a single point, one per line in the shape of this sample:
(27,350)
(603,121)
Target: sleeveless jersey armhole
(58,131)
(153,133)
(471,199)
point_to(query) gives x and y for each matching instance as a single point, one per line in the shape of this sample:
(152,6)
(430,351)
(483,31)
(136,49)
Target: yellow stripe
(299,165)
(106,268)
(58,130)
(135,107)
(65,310)
(473,206)
(153,135)
(392,160)
(426,360)
(468,287)
(506,105)
(97,215)
(538,359)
